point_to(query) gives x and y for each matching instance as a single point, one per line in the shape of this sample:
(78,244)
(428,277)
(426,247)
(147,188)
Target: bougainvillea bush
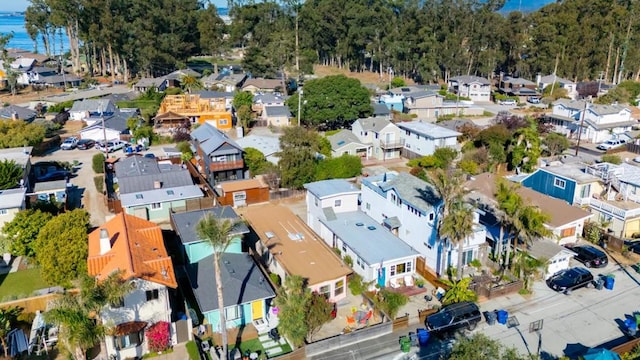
(158,336)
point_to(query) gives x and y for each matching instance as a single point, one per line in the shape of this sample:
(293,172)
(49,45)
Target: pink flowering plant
(158,336)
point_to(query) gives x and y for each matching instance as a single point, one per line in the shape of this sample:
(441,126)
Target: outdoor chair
(408,280)
(394,283)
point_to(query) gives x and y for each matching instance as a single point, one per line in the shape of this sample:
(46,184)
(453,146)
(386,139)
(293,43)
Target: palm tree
(189,82)
(96,295)
(458,226)
(525,267)
(509,205)
(79,315)
(78,330)
(217,233)
(8,318)
(449,185)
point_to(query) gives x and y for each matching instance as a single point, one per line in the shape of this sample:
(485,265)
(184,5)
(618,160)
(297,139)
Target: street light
(300,92)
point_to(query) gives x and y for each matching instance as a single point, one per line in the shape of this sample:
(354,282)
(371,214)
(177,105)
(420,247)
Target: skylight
(170,192)
(138,196)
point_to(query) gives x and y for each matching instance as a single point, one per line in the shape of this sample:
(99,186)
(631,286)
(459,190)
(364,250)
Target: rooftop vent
(359,224)
(371,227)
(270,235)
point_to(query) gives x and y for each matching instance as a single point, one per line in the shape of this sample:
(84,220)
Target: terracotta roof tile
(137,248)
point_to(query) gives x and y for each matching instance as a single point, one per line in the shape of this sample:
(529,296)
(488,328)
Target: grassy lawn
(20,284)
(254,345)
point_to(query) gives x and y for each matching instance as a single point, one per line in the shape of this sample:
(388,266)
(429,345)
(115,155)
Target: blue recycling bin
(608,282)
(423,337)
(503,315)
(632,326)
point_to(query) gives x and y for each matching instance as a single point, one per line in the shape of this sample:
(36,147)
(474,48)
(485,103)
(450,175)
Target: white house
(410,208)
(377,254)
(11,202)
(344,142)
(599,123)
(136,248)
(476,88)
(382,136)
(545,81)
(83,109)
(338,195)
(422,139)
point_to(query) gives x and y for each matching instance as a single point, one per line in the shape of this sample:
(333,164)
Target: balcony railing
(227,165)
(613,210)
(394,144)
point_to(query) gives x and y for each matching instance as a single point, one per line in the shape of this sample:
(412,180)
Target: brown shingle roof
(560,212)
(137,249)
(308,256)
(263,83)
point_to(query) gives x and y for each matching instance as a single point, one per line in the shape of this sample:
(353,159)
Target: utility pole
(586,106)
(554,76)
(297,42)
(300,92)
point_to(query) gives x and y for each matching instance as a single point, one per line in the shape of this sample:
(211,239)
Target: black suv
(463,315)
(570,279)
(589,256)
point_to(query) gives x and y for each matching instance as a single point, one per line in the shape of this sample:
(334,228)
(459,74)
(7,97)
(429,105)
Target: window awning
(392,223)
(129,328)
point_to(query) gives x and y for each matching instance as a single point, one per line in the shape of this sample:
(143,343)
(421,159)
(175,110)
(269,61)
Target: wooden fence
(488,289)
(423,313)
(401,322)
(423,270)
(34,303)
(286,194)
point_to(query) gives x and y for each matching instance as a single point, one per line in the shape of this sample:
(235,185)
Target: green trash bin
(637,315)
(405,344)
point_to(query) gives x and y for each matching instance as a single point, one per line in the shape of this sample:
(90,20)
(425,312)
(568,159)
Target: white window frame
(4,211)
(559,183)
(337,203)
(232,312)
(156,206)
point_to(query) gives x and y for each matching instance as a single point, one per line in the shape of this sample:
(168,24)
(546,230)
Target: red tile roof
(137,249)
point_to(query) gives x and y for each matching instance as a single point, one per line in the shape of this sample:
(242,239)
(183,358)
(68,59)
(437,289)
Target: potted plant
(419,282)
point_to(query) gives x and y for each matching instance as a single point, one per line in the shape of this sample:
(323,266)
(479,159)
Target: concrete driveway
(571,323)
(83,186)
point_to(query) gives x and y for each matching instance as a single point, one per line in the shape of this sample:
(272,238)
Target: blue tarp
(601,354)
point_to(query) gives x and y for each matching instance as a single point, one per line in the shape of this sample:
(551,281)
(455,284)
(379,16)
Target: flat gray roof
(161,195)
(428,130)
(369,240)
(331,187)
(12,198)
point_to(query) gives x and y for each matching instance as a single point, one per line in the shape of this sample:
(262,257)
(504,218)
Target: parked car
(611,144)
(589,255)
(85,144)
(463,315)
(533,100)
(509,102)
(54,175)
(69,143)
(111,146)
(570,279)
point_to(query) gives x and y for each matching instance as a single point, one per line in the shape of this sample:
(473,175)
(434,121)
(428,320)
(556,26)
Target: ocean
(14,23)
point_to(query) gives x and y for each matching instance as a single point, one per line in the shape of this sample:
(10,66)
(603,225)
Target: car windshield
(571,274)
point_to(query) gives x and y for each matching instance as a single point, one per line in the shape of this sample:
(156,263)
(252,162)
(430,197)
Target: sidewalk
(179,353)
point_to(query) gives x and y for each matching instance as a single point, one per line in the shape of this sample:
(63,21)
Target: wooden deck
(249,332)
(408,290)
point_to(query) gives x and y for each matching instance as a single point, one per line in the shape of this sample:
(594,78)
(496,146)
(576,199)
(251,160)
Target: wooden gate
(428,274)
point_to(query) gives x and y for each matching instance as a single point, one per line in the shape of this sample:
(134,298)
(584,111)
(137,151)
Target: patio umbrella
(601,354)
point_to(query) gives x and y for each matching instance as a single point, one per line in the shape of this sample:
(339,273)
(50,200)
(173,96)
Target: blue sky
(21,5)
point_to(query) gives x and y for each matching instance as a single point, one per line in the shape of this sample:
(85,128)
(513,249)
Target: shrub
(97,163)
(158,336)
(348,260)
(99,182)
(357,285)
(613,159)
(275,278)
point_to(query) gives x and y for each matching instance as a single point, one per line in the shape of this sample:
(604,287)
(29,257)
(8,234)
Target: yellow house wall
(222,121)
(632,226)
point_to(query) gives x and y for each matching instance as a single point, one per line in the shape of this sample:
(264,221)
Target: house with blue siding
(247,291)
(410,208)
(151,190)
(566,182)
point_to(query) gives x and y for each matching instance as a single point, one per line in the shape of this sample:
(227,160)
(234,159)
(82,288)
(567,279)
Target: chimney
(14,116)
(157,184)
(215,68)
(538,80)
(105,241)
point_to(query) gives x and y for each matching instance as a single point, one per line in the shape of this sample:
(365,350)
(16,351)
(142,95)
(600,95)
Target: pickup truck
(111,146)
